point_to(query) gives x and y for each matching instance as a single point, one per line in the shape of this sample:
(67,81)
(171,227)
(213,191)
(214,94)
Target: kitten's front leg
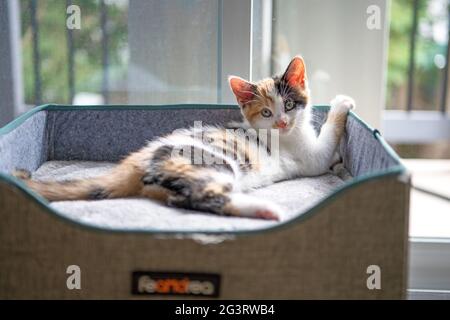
(341,104)
(337,117)
(331,133)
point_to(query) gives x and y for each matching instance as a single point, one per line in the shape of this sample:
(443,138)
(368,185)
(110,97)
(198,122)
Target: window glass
(135,52)
(429,58)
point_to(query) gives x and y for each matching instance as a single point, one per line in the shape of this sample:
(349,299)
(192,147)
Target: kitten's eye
(266,113)
(289,105)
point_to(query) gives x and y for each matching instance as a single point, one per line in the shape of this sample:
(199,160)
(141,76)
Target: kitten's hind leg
(218,198)
(243,205)
(215,198)
(209,188)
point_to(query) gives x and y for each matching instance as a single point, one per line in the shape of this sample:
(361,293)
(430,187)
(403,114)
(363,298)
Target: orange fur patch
(339,119)
(155,192)
(215,188)
(262,99)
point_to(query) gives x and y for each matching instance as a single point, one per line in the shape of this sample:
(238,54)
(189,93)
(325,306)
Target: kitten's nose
(282,124)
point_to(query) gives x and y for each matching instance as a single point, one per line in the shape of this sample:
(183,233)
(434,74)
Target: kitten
(169,169)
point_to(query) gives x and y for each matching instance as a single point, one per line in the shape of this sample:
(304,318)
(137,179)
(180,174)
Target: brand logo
(175,283)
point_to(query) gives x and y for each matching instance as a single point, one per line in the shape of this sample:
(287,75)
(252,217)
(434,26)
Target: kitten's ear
(242,89)
(295,74)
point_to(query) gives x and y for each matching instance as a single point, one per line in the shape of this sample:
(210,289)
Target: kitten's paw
(267,215)
(247,206)
(343,103)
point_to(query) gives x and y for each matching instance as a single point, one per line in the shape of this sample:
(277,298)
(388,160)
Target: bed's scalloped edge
(398,170)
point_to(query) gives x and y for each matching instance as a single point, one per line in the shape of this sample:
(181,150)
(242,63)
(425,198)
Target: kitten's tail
(123,181)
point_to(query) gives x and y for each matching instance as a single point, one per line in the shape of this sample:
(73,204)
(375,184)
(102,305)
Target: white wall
(183,51)
(341,53)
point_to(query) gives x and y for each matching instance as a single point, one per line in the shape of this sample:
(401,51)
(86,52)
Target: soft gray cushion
(24,147)
(295,196)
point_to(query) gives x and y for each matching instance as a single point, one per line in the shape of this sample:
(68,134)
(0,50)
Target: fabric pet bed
(335,226)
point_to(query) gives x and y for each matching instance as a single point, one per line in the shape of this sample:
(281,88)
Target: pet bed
(334,227)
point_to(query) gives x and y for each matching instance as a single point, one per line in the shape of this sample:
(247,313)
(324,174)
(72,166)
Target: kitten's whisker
(289,94)
(253,100)
(285,90)
(256,94)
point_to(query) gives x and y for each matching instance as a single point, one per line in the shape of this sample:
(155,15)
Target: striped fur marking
(98,194)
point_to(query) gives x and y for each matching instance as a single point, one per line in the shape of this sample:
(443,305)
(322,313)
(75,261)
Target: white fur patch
(249,206)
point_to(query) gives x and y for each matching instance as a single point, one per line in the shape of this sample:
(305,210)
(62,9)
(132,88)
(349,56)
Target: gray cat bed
(345,220)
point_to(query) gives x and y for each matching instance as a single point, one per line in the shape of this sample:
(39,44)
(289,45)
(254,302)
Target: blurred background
(392,56)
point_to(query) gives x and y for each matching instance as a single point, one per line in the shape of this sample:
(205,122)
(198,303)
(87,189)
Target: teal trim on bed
(397,170)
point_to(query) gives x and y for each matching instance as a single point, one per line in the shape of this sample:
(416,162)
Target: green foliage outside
(88,48)
(428,78)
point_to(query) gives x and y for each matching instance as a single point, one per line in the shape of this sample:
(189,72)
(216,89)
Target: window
(138,52)
(418,78)
(417,55)
(81,66)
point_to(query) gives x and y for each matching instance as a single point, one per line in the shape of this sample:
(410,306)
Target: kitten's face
(274,103)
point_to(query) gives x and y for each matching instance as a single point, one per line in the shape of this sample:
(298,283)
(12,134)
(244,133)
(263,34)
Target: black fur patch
(182,186)
(98,194)
(185,190)
(150,178)
(162,153)
(208,202)
(154,174)
(284,88)
(212,203)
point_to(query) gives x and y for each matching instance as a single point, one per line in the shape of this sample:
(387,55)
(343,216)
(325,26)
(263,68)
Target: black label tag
(175,283)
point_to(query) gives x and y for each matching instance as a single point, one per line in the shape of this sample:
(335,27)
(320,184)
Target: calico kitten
(177,169)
